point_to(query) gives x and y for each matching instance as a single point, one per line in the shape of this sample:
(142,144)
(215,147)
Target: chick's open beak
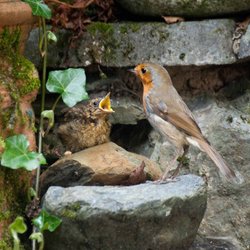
(105,104)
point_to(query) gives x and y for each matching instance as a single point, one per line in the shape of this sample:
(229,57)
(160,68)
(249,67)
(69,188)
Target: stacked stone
(208,51)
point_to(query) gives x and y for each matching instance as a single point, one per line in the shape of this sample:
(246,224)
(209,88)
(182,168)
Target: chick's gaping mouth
(105,104)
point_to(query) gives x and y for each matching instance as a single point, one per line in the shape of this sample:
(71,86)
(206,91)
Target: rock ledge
(207,42)
(145,216)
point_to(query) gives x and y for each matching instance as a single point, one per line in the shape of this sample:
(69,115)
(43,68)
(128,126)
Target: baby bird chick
(84,125)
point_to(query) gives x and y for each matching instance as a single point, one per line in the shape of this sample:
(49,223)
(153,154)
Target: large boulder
(207,42)
(244,51)
(190,8)
(226,125)
(105,164)
(145,216)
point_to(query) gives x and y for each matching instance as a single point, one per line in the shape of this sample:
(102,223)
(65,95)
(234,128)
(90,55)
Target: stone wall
(208,61)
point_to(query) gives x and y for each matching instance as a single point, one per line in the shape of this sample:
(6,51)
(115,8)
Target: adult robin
(170,116)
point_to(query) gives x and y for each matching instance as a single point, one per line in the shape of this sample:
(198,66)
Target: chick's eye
(143,70)
(95,103)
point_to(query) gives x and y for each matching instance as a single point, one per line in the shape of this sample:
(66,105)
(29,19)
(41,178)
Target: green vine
(21,81)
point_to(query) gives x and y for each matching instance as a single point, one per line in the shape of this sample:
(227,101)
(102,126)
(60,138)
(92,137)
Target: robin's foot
(165,180)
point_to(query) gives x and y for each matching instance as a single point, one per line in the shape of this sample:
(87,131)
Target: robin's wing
(181,120)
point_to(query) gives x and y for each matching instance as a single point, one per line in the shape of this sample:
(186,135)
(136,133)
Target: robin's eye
(143,70)
(95,103)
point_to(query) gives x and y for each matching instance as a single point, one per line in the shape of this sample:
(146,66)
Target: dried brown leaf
(244,24)
(137,176)
(33,208)
(173,19)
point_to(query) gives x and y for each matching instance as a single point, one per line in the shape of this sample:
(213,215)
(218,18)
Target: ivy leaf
(49,114)
(32,193)
(70,83)
(17,227)
(51,36)
(39,8)
(17,155)
(45,221)
(38,236)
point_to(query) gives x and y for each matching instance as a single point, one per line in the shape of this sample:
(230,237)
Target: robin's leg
(185,151)
(179,152)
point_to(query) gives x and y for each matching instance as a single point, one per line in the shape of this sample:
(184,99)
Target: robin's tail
(219,162)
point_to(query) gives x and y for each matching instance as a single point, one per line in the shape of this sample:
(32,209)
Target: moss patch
(72,211)
(182,56)
(103,33)
(134,27)
(99,27)
(18,78)
(109,40)
(9,41)
(22,69)
(5,245)
(13,199)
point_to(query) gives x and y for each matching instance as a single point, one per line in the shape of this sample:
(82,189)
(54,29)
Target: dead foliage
(137,176)
(172,19)
(76,14)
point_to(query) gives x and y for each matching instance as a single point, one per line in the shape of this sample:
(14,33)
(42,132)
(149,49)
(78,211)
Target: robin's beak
(105,104)
(132,71)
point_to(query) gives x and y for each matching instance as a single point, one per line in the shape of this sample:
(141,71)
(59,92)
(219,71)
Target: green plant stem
(40,135)
(56,101)
(16,241)
(45,47)
(41,246)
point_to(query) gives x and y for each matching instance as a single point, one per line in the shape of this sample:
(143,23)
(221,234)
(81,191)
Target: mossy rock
(14,185)
(19,84)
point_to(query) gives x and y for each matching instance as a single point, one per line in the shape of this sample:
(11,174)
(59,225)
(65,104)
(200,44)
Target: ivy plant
(69,83)
(43,222)
(46,221)
(17,154)
(39,8)
(17,227)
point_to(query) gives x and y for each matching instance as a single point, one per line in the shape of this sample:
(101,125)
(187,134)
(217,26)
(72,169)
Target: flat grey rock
(207,42)
(127,111)
(145,216)
(190,8)
(244,51)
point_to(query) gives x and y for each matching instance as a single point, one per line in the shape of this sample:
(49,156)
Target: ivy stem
(56,101)
(45,43)
(16,241)
(41,247)
(40,134)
